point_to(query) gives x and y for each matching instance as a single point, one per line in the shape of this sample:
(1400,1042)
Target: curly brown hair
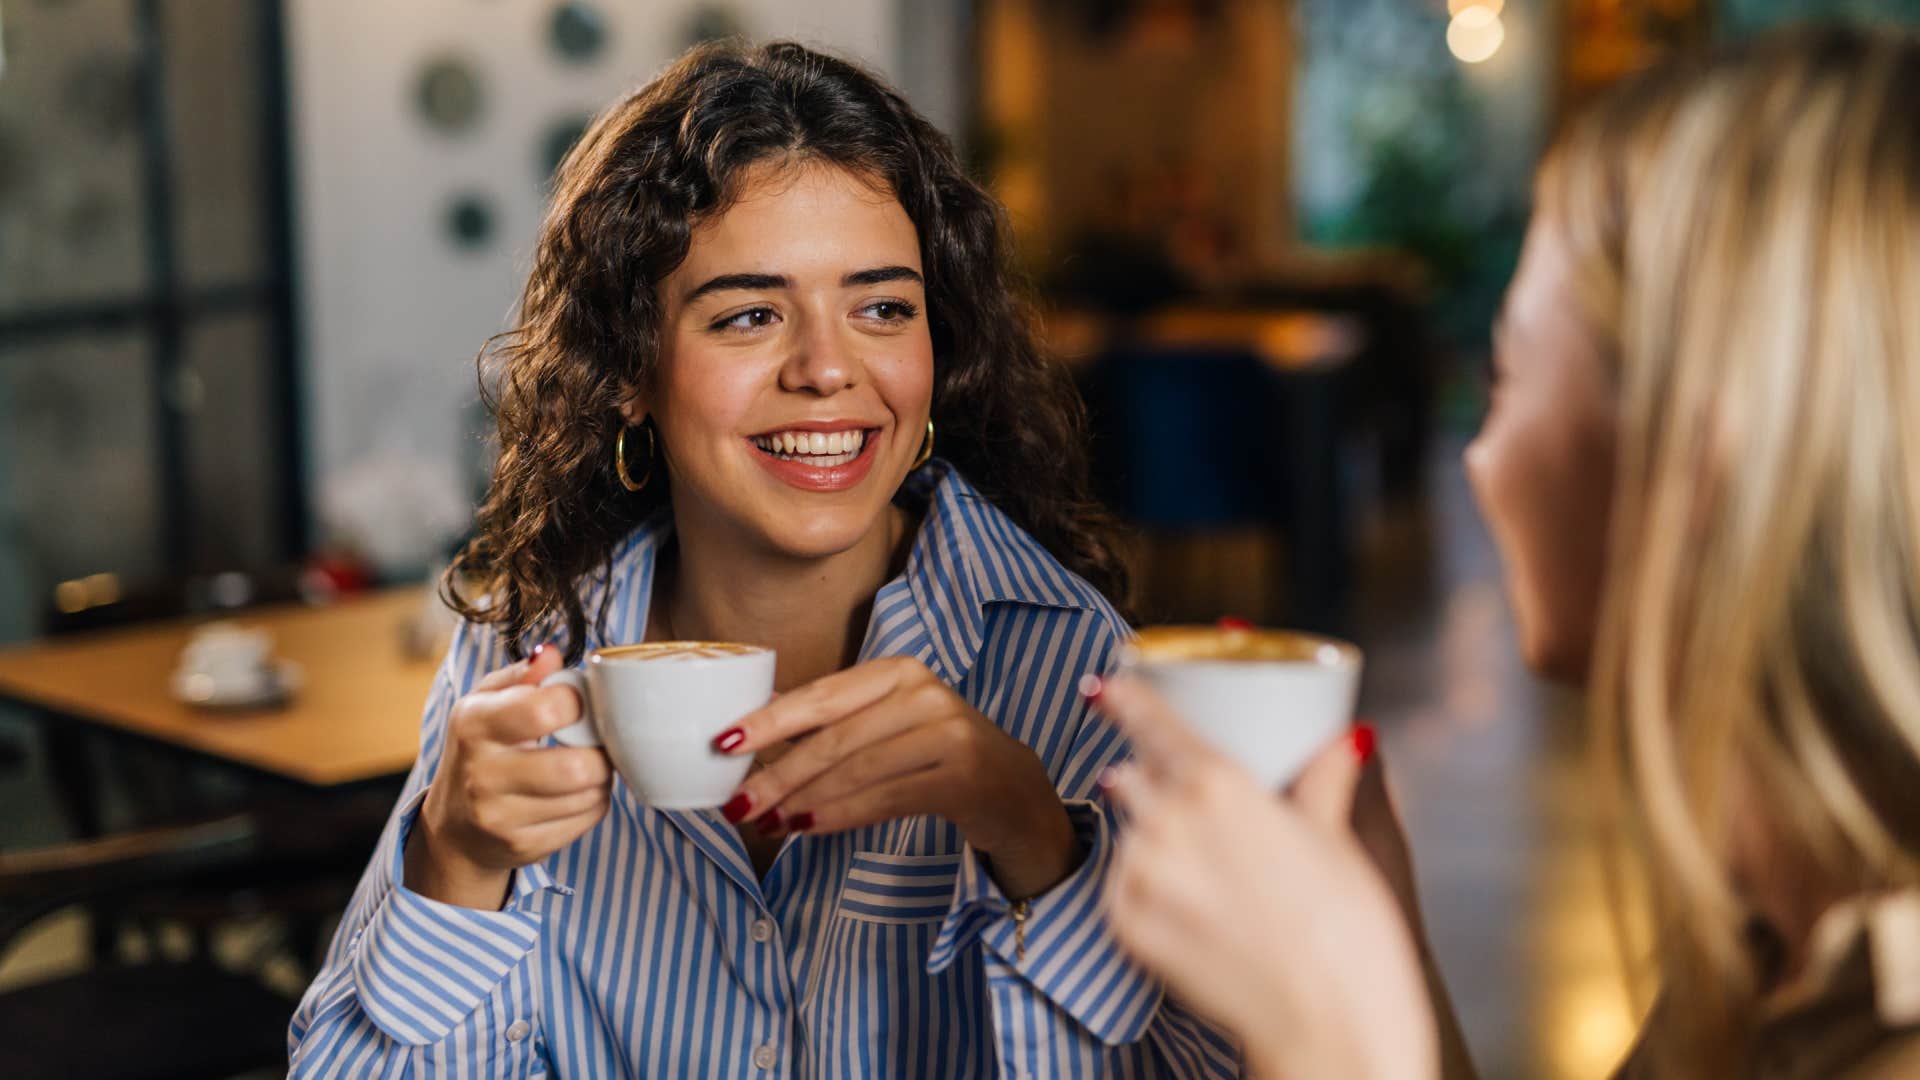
(625,202)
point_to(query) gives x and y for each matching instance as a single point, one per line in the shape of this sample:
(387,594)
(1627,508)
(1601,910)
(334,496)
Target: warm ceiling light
(1455,7)
(1475,34)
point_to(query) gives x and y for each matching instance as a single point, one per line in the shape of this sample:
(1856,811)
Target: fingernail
(1107,776)
(736,808)
(728,739)
(769,823)
(1363,742)
(1234,622)
(801,821)
(534,656)
(1091,687)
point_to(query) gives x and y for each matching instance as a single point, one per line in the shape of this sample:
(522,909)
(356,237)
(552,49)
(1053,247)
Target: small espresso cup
(1268,699)
(657,708)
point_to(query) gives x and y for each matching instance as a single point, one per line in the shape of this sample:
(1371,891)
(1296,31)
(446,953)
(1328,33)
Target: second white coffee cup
(1268,699)
(657,709)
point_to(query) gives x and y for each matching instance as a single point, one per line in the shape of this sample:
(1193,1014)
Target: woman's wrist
(437,872)
(1037,854)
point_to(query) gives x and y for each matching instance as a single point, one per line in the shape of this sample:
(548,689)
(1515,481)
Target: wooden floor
(1486,763)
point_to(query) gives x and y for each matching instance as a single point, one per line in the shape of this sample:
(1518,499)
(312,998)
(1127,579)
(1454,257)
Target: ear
(634,409)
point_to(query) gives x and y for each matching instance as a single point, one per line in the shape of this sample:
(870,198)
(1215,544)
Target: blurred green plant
(1740,17)
(1417,143)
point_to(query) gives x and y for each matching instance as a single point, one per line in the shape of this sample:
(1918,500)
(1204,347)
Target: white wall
(394,313)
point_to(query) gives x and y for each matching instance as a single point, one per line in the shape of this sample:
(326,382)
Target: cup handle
(581,732)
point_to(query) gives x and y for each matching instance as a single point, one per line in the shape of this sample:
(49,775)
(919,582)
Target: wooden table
(356,717)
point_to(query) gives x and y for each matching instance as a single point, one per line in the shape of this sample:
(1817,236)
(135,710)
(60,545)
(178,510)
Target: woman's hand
(1266,914)
(497,804)
(888,739)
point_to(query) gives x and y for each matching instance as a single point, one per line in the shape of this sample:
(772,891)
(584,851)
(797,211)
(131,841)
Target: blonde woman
(1702,467)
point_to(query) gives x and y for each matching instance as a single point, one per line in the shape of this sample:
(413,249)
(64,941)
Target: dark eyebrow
(880,275)
(738,281)
(876,276)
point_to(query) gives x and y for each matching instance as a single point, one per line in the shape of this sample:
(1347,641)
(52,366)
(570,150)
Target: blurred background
(249,249)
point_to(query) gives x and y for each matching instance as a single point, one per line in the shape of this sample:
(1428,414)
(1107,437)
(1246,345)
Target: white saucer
(284,678)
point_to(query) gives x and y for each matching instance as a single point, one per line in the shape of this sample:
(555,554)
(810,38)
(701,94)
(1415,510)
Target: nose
(823,361)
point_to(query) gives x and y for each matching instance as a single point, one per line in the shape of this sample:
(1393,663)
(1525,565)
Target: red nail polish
(801,821)
(736,808)
(728,739)
(1234,622)
(1363,742)
(769,823)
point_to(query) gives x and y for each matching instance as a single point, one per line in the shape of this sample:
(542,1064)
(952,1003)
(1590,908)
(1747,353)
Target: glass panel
(232,460)
(213,68)
(70,191)
(77,447)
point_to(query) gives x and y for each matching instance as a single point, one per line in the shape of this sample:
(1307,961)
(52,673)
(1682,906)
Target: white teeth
(818,447)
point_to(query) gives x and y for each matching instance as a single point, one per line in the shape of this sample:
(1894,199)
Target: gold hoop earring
(926,451)
(620,459)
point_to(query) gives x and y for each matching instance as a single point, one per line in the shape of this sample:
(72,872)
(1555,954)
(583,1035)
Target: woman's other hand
(497,804)
(887,739)
(1266,913)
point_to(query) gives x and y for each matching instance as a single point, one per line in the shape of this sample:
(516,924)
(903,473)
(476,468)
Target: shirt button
(762,931)
(764,1057)
(518,1030)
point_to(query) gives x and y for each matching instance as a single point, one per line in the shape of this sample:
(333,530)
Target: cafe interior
(249,250)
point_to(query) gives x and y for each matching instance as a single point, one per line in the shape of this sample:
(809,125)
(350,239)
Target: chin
(1555,657)
(823,532)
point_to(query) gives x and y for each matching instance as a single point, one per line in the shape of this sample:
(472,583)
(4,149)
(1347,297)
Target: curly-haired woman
(763,291)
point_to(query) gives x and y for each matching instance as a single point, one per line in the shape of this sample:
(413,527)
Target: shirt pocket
(899,889)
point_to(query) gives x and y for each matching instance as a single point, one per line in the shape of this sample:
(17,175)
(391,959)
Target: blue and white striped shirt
(649,948)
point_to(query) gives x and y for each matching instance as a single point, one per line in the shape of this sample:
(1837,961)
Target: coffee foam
(1239,644)
(679,650)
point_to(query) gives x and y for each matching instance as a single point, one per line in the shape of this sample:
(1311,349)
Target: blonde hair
(1747,235)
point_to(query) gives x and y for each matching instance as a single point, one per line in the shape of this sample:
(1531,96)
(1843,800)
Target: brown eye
(750,319)
(891,310)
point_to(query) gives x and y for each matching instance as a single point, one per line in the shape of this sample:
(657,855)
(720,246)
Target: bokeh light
(1475,34)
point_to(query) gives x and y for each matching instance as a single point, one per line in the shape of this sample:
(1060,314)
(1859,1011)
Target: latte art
(678,650)
(1252,644)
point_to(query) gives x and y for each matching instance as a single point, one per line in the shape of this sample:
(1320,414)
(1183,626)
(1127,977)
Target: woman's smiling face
(796,367)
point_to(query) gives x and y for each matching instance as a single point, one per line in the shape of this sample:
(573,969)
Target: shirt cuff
(420,966)
(1070,956)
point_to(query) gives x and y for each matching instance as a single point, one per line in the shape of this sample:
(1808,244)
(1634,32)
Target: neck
(812,612)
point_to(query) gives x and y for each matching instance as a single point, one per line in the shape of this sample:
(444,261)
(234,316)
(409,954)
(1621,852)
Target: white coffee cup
(225,660)
(657,708)
(1268,699)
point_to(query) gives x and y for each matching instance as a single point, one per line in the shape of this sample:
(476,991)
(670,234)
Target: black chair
(155,1020)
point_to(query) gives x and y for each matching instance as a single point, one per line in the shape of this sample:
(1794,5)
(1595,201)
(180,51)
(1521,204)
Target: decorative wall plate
(449,95)
(713,22)
(560,136)
(577,31)
(470,221)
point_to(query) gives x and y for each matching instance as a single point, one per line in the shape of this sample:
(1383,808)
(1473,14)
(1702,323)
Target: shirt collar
(967,557)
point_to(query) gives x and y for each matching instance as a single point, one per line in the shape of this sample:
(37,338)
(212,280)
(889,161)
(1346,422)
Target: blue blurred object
(1198,439)
(1190,436)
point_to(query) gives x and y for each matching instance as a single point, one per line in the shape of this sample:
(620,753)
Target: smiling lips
(826,460)
(819,448)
